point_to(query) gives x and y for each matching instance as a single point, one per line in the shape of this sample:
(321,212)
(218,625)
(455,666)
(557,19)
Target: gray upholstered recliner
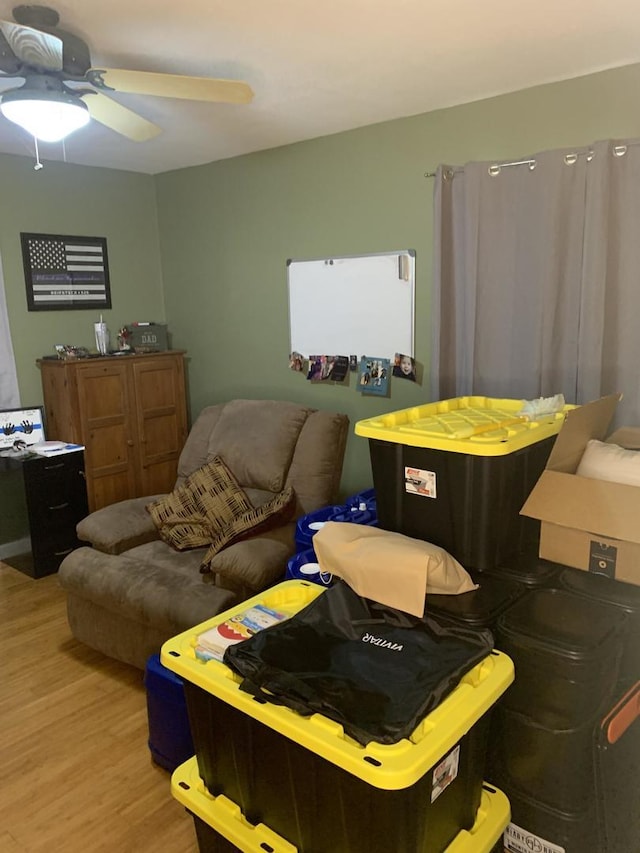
(131,591)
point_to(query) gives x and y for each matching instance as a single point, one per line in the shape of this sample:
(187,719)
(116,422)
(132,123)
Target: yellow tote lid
(480,426)
(225,816)
(387,766)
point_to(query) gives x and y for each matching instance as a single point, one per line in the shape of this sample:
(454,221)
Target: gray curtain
(9,394)
(537,277)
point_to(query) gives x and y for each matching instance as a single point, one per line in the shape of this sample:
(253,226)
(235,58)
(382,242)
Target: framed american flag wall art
(63,273)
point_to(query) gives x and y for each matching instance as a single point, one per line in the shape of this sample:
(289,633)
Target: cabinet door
(108,432)
(161,420)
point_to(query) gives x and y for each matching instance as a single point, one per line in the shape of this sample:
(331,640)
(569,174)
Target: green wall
(227,229)
(74,200)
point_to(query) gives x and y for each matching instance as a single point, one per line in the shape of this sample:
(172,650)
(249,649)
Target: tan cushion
(316,467)
(257,440)
(389,567)
(253,522)
(195,452)
(198,510)
(252,565)
(119,526)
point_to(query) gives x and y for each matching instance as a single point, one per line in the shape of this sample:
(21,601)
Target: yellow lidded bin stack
(457,472)
(260,767)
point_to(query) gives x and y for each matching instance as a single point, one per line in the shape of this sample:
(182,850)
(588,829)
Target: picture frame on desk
(20,427)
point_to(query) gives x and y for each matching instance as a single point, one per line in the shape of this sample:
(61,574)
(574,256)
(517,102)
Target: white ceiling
(322,67)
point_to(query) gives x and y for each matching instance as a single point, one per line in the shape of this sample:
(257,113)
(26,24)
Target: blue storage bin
(354,515)
(363,500)
(309,524)
(170,740)
(304,566)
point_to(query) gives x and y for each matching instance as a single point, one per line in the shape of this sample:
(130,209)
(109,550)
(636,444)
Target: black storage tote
(375,670)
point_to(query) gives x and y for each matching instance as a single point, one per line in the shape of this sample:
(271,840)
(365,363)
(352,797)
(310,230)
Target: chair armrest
(120,526)
(254,564)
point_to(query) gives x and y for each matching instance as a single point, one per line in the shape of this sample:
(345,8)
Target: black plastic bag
(375,670)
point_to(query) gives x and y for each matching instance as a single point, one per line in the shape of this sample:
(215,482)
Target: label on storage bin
(419,482)
(444,773)
(518,840)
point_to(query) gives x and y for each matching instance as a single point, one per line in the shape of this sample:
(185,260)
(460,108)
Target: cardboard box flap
(581,424)
(598,507)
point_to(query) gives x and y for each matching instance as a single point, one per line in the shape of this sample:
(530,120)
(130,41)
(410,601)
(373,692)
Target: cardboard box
(589,524)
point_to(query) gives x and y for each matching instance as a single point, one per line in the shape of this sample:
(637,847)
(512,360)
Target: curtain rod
(569,159)
(496,166)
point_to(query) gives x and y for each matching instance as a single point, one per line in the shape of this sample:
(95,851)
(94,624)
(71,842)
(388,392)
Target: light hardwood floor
(75,769)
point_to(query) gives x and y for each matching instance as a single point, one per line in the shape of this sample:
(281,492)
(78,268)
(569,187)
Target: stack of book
(211,644)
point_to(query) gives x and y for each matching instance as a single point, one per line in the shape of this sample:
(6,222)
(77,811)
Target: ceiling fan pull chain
(38,165)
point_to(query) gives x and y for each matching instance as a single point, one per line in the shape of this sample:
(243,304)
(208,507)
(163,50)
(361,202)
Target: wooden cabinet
(53,490)
(129,412)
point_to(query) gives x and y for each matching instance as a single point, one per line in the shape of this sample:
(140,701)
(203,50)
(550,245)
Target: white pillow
(602,461)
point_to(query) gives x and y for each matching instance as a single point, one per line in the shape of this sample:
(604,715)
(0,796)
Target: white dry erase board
(356,305)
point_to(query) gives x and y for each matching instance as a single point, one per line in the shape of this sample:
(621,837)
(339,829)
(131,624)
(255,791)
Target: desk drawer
(56,489)
(56,496)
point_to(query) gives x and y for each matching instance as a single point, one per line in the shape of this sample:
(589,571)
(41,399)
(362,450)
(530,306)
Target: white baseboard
(12,549)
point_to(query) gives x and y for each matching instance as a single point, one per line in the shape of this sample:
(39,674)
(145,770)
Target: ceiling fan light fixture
(49,116)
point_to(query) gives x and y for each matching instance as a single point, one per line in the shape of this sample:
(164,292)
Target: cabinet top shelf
(124,356)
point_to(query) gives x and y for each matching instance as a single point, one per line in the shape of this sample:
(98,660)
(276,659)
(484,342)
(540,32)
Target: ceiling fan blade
(33,47)
(119,118)
(175,86)
(9,62)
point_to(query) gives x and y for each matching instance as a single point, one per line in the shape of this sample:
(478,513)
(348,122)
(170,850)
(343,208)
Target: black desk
(55,494)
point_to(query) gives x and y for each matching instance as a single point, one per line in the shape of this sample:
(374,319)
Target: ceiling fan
(58,80)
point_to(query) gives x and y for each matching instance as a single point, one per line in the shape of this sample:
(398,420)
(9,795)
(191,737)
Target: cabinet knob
(129,443)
